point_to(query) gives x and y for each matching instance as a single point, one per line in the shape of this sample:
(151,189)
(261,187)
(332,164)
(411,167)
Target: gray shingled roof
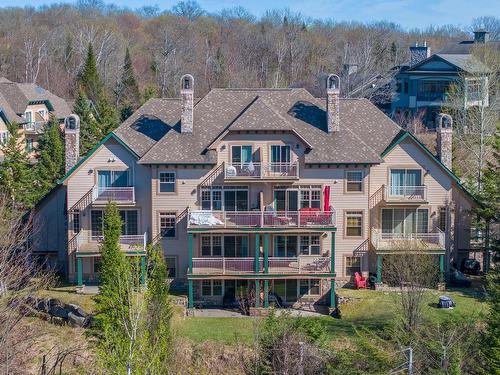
(153,131)
(467,63)
(16,96)
(465,47)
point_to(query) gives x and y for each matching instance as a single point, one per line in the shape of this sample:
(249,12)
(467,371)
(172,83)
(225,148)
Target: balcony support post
(143,270)
(266,293)
(257,253)
(257,293)
(379,268)
(190,253)
(333,300)
(266,252)
(190,294)
(441,268)
(79,272)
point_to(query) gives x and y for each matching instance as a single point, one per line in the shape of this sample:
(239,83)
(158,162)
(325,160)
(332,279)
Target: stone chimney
(187,98)
(444,128)
(419,53)
(72,141)
(332,103)
(481,36)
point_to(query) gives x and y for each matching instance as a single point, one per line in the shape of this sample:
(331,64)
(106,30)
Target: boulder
(76,320)
(77,310)
(58,312)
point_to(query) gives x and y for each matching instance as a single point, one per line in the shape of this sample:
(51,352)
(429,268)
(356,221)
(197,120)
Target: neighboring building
(422,86)
(30,107)
(259,190)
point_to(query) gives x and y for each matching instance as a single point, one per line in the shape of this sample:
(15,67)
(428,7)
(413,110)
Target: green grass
(374,311)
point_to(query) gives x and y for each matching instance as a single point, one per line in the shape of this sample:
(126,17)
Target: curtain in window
(399,217)
(397,181)
(246,154)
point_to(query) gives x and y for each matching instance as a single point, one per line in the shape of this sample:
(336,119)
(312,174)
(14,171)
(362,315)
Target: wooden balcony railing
(405,193)
(260,219)
(258,170)
(134,242)
(113,194)
(303,264)
(421,241)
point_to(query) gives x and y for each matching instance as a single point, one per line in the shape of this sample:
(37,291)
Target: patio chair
(359,281)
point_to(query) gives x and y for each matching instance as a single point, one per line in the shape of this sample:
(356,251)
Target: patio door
(405,220)
(403,181)
(286,200)
(285,246)
(108,179)
(280,158)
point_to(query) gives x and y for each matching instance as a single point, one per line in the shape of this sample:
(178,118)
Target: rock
(75,309)
(58,312)
(76,320)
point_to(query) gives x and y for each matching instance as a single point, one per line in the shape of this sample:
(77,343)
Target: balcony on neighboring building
(34,127)
(301,265)
(86,243)
(305,218)
(105,194)
(405,194)
(400,242)
(261,171)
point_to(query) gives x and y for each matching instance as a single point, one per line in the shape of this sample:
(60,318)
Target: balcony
(86,243)
(261,171)
(405,194)
(397,242)
(260,219)
(103,195)
(34,127)
(276,265)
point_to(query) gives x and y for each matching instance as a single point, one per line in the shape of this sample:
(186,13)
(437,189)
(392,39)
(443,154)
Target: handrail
(437,237)
(406,192)
(261,219)
(119,194)
(259,170)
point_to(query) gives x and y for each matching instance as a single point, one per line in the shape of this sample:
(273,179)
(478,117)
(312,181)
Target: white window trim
(167,214)
(212,288)
(404,220)
(354,213)
(160,183)
(222,192)
(347,181)
(4,137)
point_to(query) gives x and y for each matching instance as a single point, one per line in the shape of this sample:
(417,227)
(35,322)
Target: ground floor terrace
(262,267)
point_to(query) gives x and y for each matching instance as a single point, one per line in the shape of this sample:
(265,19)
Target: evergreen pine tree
(114,297)
(89,79)
(157,344)
(50,166)
(90,132)
(15,171)
(129,96)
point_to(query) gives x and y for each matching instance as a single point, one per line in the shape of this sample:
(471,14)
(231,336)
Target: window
(354,223)
(404,181)
(43,114)
(211,288)
(29,145)
(429,90)
(405,220)
(294,199)
(280,153)
(76,221)
(28,115)
(167,182)
(442,219)
(310,245)
(171,267)
(96,223)
(354,181)
(229,198)
(285,246)
(309,287)
(97,265)
(352,265)
(241,155)
(475,88)
(211,246)
(235,246)
(129,222)
(107,179)
(4,138)
(167,224)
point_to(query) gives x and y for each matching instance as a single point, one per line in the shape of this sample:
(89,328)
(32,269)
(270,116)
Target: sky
(407,13)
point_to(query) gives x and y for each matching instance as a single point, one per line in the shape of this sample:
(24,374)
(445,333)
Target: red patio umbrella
(326,198)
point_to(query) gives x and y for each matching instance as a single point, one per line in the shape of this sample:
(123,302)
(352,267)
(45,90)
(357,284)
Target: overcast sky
(407,13)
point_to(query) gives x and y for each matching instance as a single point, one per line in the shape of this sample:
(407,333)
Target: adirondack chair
(359,281)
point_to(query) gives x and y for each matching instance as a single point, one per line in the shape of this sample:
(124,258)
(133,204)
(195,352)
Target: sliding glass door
(403,181)
(405,220)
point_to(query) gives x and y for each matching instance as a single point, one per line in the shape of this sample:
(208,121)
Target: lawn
(374,311)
